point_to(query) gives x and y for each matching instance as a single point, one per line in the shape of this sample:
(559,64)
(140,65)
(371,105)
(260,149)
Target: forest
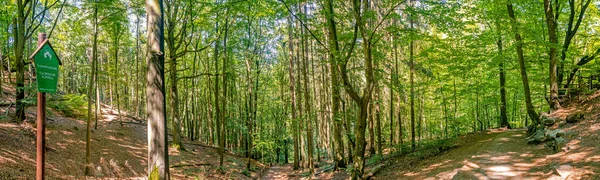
(324,86)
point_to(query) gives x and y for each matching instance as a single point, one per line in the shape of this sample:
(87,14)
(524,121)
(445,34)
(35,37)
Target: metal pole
(41,127)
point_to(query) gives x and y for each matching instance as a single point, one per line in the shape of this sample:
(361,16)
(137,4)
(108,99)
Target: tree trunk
(224,101)
(335,90)
(530,111)
(308,116)
(19,26)
(378,123)
(503,117)
(293,94)
(158,157)
(371,145)
(88,166)
(551,22)
(412,85)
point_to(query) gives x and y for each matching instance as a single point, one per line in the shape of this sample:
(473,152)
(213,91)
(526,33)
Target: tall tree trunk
(362,102)
(412,85)
(293,93)
(530,111)
(308,119)
(19,37)
(503,116)
(116,81)
(224,101)
(378,122)
(335,89)
(158,157)
(371,143)
(88,146)
(551,22)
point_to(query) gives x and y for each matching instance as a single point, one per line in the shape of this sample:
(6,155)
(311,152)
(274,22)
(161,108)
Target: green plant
(70,105)
(154,174)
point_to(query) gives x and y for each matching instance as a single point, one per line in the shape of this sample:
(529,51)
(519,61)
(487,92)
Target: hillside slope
(117,151)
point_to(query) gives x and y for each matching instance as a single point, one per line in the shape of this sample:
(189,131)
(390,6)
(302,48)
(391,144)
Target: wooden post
(41,127)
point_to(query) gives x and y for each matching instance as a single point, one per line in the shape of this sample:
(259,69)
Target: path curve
(496,154)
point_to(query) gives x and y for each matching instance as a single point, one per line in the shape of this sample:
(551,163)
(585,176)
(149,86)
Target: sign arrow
(47,55)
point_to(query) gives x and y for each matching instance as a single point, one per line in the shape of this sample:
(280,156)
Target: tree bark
(335,89)
(530,111)
(158,157)
(293,93)
(503,117)
(308,119)
(412,84)
(88,148)
(551,22)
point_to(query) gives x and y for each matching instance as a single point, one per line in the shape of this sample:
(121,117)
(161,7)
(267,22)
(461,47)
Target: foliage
(70,105)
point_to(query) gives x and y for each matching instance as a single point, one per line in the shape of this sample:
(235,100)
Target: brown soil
(287,172)
(505,154)
(117,151)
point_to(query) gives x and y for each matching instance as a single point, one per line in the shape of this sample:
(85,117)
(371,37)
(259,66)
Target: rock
(573,118)
(548,121)
(564,170)
(559,143)
(537,137)
(552,134)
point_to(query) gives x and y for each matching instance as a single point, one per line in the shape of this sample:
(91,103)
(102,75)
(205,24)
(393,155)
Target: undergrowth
(70,105)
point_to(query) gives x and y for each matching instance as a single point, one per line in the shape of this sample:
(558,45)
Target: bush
(70,105)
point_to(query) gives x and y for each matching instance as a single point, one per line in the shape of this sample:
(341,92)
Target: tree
(412,82)
(572,27)
(551,22)
(335,86)
(93,78)
(503,117)
(293,93)
(530,111)
(158,153)
(23,29)
(177,20)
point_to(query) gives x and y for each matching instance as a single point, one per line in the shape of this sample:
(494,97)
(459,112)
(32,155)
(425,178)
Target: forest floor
(505,154)
(495,154)
(118,152)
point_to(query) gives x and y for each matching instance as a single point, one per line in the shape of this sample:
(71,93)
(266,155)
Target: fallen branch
(6,104)
(329,168)
(375,170)
(127,122)
(186,165)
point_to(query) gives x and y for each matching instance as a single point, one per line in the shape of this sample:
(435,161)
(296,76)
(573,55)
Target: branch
(181,54)
(304,25)
(57,17)
(383,19)
(31,29)
(198,75)
(344,72)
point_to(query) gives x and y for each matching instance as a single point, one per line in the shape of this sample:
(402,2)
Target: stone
(573,118)
(548,121)
(537,137)
(564,170)
(552,134)
(559,143)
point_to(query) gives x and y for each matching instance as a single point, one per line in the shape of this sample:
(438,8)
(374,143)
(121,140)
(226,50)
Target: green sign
(46,67)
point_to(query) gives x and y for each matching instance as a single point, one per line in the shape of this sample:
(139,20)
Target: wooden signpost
(46,66)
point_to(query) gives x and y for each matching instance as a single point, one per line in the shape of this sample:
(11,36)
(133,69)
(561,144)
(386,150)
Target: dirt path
(277,172)
(496,154)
